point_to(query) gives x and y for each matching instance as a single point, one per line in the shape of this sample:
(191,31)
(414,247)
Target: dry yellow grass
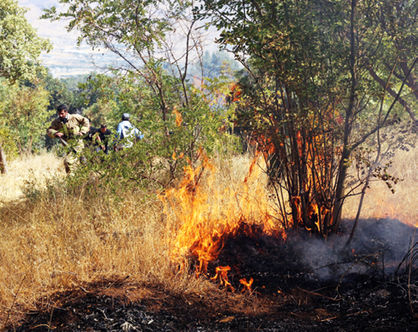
(34,168)
(62,242)
(66,238)
(379,202)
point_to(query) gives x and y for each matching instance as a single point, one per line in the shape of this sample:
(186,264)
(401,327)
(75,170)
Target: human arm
(138,134)
(84,124)
(54,129)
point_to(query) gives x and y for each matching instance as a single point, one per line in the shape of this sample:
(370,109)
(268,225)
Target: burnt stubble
(300,284)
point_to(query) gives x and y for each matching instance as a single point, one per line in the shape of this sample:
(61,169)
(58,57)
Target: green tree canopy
(311,97)
(157,43)
(20,46)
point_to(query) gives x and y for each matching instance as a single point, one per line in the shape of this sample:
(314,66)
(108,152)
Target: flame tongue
(246,284)
(222,276)
(204,211)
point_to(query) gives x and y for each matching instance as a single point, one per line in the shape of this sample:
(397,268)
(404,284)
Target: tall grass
(35,169)
(379,201)
(67,236)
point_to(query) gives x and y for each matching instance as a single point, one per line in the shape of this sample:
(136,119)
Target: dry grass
(379,202)
(33,168)
(66,238)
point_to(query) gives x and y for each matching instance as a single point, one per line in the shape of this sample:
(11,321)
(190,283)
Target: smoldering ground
(378,246)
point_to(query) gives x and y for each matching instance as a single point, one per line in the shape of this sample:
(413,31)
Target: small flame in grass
(205,209)
(247,284)
(222,276)
(179,118)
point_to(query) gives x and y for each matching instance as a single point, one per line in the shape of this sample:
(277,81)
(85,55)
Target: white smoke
(378,245)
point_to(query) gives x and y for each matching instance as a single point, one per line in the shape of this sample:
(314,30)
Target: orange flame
(179,118)
(222,276)
(299,143)
(204,209)
(175,157)
(247,284)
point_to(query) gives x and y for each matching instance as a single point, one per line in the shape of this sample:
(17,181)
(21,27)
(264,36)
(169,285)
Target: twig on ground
(318,294)
(14,298)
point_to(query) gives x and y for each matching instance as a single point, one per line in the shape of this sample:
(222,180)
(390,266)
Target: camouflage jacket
(77,125)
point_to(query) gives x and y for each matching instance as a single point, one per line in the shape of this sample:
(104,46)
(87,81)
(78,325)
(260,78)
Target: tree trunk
(3,162)
(343,167)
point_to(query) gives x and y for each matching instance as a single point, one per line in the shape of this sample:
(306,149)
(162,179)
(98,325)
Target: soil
(299,285)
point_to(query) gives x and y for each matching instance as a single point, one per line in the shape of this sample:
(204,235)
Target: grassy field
(33,169)
(66,238)
(379,202)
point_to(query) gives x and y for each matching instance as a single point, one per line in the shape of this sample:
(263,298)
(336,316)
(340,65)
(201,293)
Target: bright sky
(66,58)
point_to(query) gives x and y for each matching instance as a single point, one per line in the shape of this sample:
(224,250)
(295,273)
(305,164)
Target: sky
(66,58)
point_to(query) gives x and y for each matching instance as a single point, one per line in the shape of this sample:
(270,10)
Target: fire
(205,209)
(179,118)
(235,92)
(246,284)
(222,276)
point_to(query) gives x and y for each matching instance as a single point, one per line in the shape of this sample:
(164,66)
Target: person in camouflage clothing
(102,139)
(69,129)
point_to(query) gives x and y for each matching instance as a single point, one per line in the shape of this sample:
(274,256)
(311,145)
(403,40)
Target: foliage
(156,159)
(309,99)
(24,114)
(20,47)
(396,21)
(60,92)
(214,64)
(157,43)
(98,97)
(21,108)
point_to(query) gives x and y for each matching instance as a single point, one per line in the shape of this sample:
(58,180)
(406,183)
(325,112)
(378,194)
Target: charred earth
(301,284)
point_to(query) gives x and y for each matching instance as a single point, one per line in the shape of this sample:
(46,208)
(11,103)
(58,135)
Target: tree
(309,99)
(3,162)
(98,97)
(24,112)
(156,42)
(60,90)
(20,47)
(397,20)
(215,63)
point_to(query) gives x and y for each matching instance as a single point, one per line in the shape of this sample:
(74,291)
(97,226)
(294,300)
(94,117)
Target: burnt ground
(302,284)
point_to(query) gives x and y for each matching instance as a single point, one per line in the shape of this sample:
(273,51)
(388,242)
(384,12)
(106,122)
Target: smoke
(378,246)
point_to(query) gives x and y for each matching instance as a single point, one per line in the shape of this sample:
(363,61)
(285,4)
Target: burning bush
(202,215)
